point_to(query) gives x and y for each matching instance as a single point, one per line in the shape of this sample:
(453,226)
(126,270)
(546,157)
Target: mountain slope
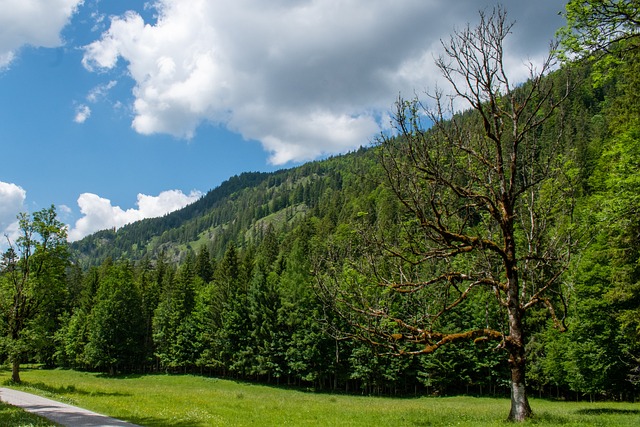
(236,211)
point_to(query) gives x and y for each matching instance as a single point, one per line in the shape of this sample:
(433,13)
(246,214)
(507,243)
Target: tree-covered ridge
(600,351)
(235,211)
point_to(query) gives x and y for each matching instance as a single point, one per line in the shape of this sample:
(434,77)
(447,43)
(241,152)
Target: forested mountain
(239,283)
(238,210)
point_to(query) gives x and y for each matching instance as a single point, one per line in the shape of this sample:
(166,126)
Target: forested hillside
(235,211)
(232,284)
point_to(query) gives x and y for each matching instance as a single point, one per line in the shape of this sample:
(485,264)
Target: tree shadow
(14,416)
(63,390)
(159,422)
(547,418)
(608,411)
(120,376)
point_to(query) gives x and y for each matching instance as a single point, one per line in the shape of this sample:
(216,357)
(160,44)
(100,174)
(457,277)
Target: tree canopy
(33,284)
(597,27)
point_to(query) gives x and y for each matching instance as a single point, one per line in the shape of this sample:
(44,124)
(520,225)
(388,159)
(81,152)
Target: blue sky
(119,110)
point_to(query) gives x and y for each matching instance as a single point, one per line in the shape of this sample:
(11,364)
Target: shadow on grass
(120,376)
(608,411)
(62,390)
(14,416)
(546,418)
(158,422)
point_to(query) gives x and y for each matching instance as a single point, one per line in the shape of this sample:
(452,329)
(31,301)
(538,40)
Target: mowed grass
(166,400)
(16,417)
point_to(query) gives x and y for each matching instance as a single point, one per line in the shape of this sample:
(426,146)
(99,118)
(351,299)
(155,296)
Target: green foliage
(599,26)
(115,327)
(599,354)
(33,289)
(604,31)
(204,267)
(174,331)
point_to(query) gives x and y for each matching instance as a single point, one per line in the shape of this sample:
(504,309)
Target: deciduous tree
(32,278)
(597,27)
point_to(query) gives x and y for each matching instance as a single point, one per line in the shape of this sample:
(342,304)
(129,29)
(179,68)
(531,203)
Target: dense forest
(232,285)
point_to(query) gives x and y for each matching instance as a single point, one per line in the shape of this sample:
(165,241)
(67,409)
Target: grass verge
(16,417)
(165,400)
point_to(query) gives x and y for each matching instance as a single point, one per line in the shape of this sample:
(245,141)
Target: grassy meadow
(166,400)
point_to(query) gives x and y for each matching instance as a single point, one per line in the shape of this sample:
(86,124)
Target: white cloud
(12,199)
(99,92)
(83,112)
(304,78)
(99,214)
(32,22)
(64,209)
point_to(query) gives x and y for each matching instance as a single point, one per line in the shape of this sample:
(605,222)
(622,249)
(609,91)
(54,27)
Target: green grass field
(164,400)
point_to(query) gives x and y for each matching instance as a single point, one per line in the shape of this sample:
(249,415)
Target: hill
(238,210)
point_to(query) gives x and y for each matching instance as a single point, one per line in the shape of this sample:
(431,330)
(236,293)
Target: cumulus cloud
(304,78)
(99,214)
(83,112)
(33,22)
(12,199)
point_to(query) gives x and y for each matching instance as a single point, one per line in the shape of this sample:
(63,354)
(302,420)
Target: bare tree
(485,209)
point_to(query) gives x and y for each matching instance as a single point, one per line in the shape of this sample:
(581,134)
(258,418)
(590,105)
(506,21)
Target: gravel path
(61,413)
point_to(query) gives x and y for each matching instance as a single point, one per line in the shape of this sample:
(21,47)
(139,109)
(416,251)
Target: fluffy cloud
(99,214)
(33,22)
(12,199)
(82,113)
(304,78)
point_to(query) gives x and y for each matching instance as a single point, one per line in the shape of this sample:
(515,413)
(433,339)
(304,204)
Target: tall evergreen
(115,327)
